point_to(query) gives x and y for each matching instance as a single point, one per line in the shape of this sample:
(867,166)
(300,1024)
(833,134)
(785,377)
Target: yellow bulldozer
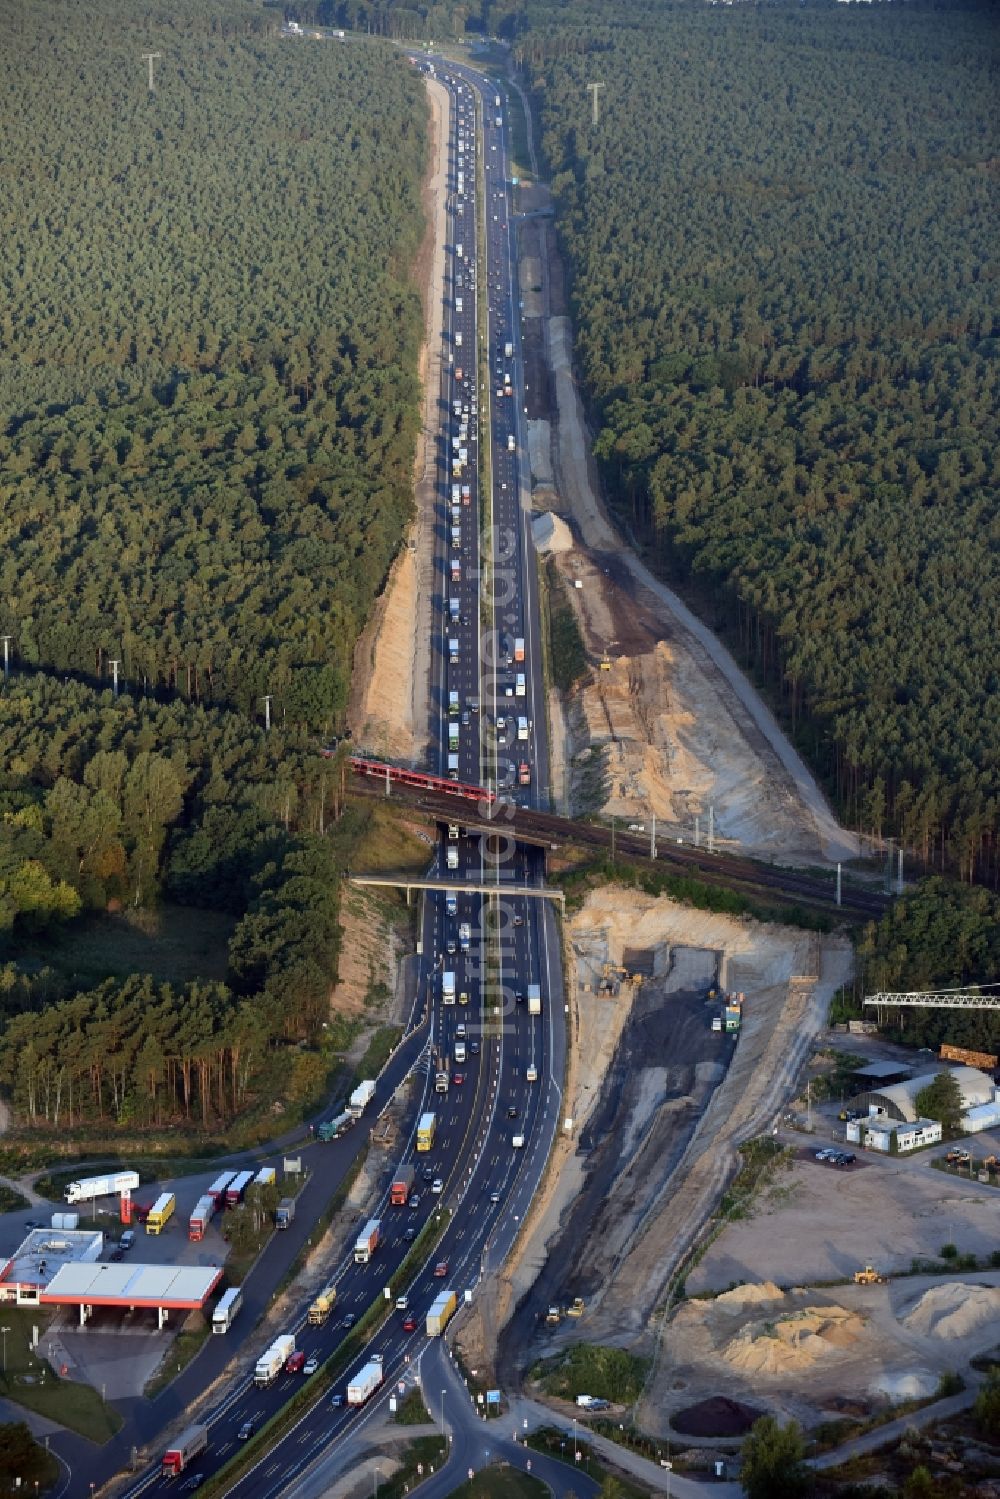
(869,1276)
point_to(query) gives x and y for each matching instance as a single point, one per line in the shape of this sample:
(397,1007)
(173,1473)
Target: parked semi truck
(237,1189)
(361,1098)
(273,1360)
(402,1185)
(367,1242)
(364,1384)
(217,1191)
(161,1212)
(102,1186)
(201,1216)
(284,1213)
(187,1447)
(440,1312)
(266,1177)
(321,1308)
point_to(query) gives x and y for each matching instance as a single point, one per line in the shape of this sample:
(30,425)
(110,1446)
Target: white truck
(112,1185)
(508,350)
(534,999)
(451,858)
(522,728)
(452,651)
(364,1384)
(273,1360)
(448,988)
(187,1447)
(367,1241)
(464,936)
(361,1098)
(511,444)
(519,687)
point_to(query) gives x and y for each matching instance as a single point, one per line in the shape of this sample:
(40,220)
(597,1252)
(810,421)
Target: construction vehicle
(577,1307)
(553,1316)
(956,1157)
(869,1276)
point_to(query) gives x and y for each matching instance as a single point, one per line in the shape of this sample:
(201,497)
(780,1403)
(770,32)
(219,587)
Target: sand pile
(748,1295)
(954,1310)
(550,534)
(793,1342)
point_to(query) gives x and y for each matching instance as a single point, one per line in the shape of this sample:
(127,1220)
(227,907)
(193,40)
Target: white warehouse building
(892,1111)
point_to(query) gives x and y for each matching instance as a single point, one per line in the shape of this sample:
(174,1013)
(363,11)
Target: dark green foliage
(772,1461)
(566,649)
(986,1410)
(222,814)
(785,323)
(941,1100)
(23,1459)
(938,936)
(591,1369)
(208,366)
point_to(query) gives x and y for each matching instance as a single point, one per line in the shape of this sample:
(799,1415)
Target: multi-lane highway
(494,1122)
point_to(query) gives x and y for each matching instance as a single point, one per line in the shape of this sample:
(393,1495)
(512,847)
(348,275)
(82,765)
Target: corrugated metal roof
(133,1285)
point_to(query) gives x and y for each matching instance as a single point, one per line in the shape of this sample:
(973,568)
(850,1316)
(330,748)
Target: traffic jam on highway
(486,1115)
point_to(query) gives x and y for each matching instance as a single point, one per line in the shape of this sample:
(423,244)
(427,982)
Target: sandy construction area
(824,1224)
(389,708)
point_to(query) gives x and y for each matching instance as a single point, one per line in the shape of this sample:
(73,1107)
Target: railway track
(735,872)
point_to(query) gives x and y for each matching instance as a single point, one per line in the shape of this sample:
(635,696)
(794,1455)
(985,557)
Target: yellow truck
(441,1311)
(161,1212)
(322,1306)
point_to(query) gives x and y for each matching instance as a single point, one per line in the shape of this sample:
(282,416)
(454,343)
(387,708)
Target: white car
(437,1186)
(311,1365)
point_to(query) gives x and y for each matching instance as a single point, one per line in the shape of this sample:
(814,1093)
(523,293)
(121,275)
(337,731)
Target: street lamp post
(4,1331)
(444,1434)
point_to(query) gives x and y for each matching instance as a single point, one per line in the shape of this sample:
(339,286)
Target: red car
(441,1269)
(295,1362)
(409,1323)
(458,1078)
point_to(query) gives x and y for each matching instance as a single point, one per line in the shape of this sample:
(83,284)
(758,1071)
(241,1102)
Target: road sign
(492,1397)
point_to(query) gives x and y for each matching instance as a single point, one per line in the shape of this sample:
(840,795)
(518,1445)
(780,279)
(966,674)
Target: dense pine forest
(782,237)
(207,348)
(208,407)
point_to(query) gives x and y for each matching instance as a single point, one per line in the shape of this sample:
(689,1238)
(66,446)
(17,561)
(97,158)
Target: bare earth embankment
(388,712)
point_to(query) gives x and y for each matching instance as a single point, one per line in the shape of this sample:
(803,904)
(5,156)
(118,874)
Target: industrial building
(893,1135)
(893,1121)
(898,1100)
(57,1267)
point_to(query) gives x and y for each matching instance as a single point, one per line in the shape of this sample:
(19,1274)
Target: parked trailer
(217,1191)
(364,1384)
(440,1313)
(90,1187)
(402,1184)
(321,1308)
(187,1446)
(201,1216)
(237,1189)
(361,1098)
(266,1177)
(161,1212)
(227,1309)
